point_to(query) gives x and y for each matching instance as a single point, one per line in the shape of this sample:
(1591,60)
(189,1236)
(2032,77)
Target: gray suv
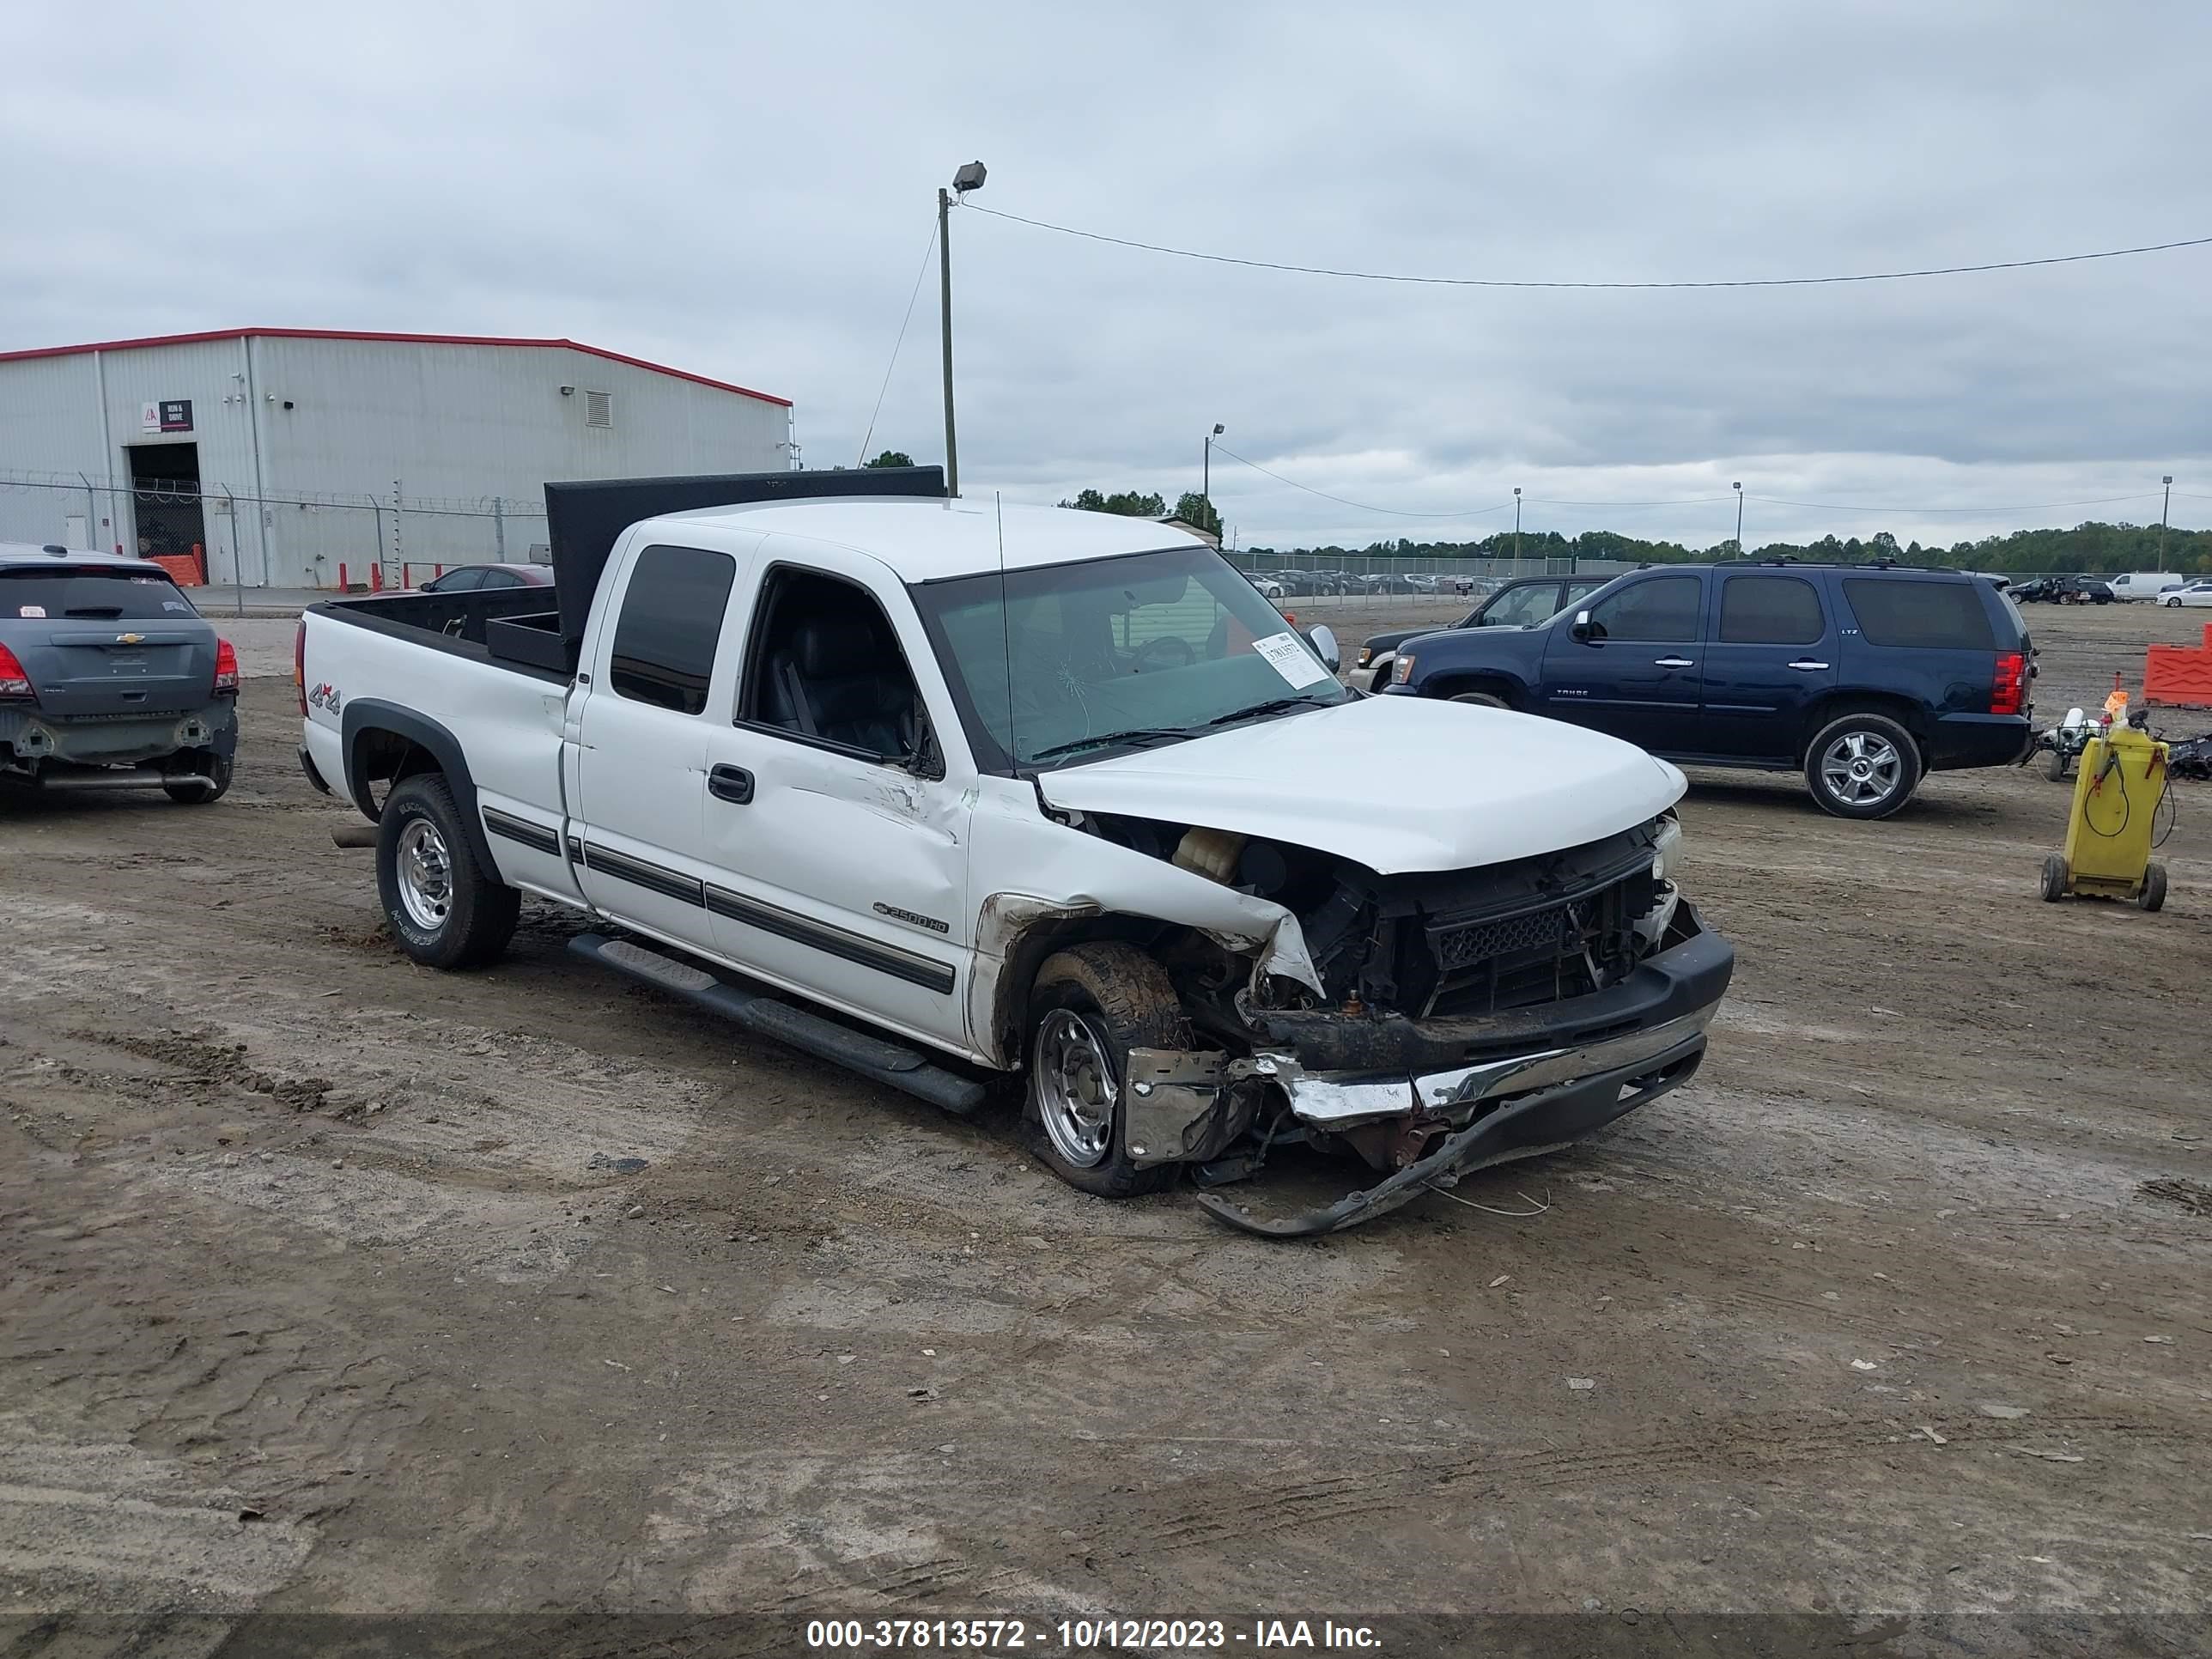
(108,678)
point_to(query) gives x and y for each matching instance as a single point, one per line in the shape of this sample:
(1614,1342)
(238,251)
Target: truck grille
(1567,948)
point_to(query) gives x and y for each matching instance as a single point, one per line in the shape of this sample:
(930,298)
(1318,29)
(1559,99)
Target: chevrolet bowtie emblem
(129,639)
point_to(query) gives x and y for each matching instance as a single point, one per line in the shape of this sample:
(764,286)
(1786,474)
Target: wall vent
(598,409)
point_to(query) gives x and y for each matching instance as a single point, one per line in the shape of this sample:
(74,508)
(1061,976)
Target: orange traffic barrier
(183,568)
(2179,676)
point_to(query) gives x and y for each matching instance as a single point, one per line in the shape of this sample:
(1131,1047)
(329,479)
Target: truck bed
(516,628)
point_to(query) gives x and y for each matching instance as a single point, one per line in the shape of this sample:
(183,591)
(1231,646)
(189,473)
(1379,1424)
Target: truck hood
(1396,783)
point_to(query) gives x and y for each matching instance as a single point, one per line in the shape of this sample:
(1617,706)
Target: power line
(928,248)
(1220,448)
(1500,281)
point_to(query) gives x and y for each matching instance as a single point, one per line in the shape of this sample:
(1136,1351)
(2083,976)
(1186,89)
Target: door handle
(731,783)
(1808,665)
(1672,662)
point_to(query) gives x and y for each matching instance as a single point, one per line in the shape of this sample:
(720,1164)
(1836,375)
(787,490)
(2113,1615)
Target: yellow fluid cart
(2108,837)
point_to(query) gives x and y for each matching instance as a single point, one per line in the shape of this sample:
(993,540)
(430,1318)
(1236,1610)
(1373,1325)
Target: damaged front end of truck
(1420,1024)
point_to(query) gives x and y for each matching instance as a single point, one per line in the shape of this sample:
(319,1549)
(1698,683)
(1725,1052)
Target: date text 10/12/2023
(1088,1635)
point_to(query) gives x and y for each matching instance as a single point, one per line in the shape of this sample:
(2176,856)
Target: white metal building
(284,454)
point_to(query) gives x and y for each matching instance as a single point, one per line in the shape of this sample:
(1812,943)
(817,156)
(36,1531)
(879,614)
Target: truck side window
(672,615)
(825,667)
(1770,610)
(1661,608)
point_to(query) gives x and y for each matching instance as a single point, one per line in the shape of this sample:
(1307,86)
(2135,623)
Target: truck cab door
(1771,654)
(637,812)
(1632,671)
(838,795)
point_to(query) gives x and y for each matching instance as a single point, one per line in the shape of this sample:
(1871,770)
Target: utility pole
(970,177)
(1739,519)
(1517,529)
(2162,511)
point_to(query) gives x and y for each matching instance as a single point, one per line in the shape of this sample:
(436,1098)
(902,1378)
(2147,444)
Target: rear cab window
(1900,610)
(670,623)
(90,594)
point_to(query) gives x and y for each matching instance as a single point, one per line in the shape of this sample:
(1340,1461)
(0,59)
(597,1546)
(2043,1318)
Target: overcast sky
(747,191)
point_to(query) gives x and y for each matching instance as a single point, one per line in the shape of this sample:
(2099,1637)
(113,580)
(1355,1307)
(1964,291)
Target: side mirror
(1322,638)
(1584,629)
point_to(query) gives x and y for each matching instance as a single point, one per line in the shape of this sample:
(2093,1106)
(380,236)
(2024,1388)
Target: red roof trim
(405,339)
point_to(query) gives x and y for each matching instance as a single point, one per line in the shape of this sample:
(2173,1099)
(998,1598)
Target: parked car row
(1863,678)
(1520,604)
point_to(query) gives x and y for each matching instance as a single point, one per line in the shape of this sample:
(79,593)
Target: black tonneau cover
(586,518)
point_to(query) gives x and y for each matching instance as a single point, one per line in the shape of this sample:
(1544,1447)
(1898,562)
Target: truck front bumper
(1502,1087)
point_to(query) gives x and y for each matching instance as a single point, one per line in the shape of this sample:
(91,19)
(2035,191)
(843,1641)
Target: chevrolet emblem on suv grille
(129,639)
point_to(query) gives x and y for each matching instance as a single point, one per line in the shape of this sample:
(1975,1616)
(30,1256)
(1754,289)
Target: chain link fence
(225,538)
(1390,578)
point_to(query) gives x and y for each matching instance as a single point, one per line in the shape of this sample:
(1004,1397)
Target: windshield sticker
(32,610)
(1287,657)
(176,605)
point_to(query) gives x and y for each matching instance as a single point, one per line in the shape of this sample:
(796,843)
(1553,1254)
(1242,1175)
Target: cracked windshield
(1082,660)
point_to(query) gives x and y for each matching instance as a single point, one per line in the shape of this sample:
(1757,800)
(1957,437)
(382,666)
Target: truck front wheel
(445,910)
(1092,1003)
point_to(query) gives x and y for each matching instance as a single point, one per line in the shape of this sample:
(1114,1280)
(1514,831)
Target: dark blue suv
(1864,677)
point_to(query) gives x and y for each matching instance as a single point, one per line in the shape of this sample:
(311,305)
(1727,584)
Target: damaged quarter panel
(1040,879)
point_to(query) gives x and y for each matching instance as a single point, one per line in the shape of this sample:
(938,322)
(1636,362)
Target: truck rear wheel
(1090,1005)
(445,911)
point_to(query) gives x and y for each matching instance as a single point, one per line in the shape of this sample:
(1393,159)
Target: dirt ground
(333,1284)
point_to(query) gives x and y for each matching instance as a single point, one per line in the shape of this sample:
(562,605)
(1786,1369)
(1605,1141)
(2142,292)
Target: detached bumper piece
(1543,1121)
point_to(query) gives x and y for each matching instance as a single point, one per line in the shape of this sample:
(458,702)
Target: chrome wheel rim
(426,875)
(1862,768)
(1074,1088)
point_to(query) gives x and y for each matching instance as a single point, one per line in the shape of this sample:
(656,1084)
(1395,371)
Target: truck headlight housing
(1666,852)
(1403,671)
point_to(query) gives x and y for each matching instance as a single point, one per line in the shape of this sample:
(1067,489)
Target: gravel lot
(531,1293)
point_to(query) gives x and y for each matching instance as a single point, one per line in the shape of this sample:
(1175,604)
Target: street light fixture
(1206,470)
(1738,488)
(1516,530)
(2164,507)
(971,176)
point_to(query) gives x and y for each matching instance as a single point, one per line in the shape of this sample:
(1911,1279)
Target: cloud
(748,191)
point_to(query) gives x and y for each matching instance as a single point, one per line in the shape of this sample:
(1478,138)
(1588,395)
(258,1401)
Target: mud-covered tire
(1486,699)
(203,790)
(445,909)
(1889,749)
(1119,999)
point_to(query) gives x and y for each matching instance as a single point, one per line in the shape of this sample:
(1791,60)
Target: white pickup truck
(940,790)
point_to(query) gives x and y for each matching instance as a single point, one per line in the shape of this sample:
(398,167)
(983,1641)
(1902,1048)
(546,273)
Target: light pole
(2162,510)
(1206,470)
(969,178)
(1739,521)
(1517,528)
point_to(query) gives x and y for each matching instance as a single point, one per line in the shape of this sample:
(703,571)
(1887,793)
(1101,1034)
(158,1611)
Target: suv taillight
(300,666)
(13,682)
(2008,690)
(226,667)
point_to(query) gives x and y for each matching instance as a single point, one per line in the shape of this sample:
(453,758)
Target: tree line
(2089,547)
